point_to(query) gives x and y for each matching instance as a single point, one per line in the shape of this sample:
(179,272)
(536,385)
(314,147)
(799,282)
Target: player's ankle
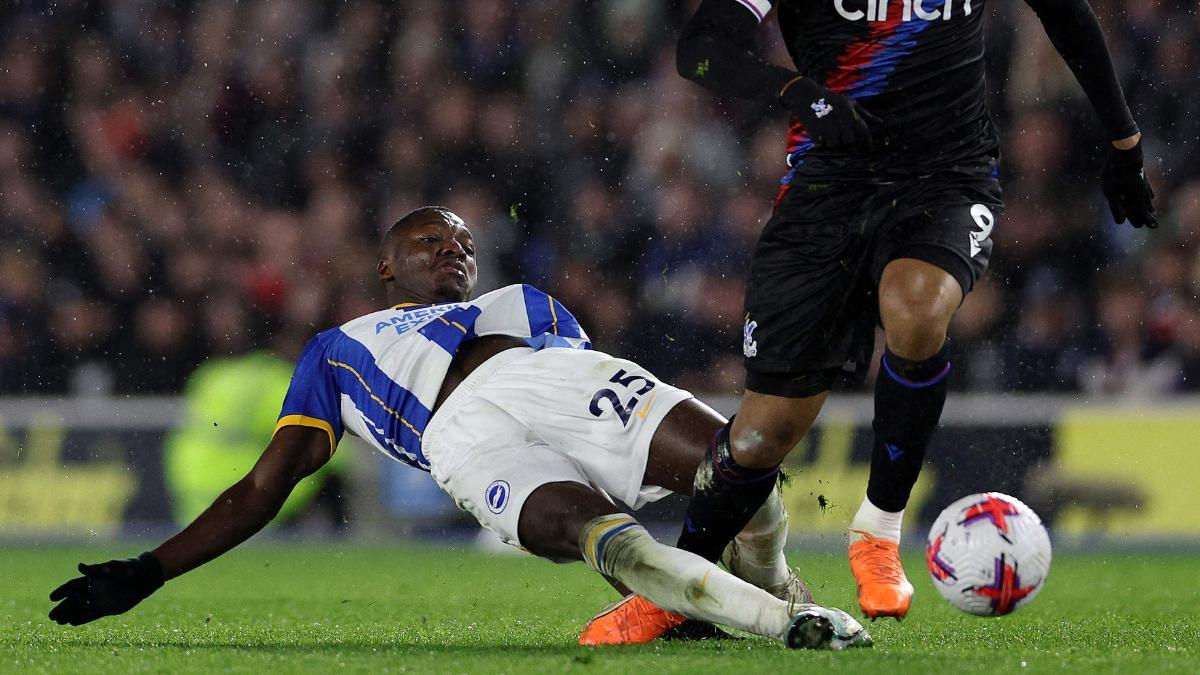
(768,572)
(777,575)
(876,522)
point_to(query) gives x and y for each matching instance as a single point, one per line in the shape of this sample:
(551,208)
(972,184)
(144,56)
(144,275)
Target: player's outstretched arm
(717,51)
(116,586)
(1075,31)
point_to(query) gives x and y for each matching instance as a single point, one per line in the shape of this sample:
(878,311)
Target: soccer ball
(988,553)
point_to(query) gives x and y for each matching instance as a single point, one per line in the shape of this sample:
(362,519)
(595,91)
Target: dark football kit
(922,184)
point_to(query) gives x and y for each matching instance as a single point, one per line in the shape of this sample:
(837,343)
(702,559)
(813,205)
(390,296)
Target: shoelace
(795,591)
(879,558)
(792,585)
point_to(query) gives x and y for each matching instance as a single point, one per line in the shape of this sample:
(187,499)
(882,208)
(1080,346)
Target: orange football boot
(633,620)
(883,590)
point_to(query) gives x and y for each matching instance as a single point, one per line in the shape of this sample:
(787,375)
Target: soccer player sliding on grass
(502,400)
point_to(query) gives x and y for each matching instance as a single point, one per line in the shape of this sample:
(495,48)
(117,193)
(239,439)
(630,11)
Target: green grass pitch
(288,608)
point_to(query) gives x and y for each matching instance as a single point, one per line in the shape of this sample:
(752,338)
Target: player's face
(434,259)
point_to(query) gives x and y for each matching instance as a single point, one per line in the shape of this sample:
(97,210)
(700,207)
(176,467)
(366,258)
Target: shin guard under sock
(909,397)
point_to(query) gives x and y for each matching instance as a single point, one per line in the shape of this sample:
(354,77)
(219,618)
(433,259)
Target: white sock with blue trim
(679,581)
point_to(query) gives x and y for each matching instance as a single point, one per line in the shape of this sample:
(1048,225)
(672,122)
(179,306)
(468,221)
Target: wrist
(1129,142)
(151,569)
(788,85)
(798,93)
(1131,157)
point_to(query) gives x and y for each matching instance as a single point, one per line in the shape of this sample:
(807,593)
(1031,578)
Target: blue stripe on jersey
(389,407)
(547,340)
(882,64)
(795,160)
(313,390)
(548,316)
(451,329)
(567,325)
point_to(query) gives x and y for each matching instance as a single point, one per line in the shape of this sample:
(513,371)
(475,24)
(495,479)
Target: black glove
(1129,195)
(832,120)
(106,589)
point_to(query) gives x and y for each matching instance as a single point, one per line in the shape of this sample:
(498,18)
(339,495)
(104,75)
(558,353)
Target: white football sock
(876,522)
(760,545)
(679,581)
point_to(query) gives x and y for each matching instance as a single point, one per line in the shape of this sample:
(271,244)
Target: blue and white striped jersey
(378,376)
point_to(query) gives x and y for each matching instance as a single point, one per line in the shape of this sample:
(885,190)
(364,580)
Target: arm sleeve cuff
(757,7)
(305,421)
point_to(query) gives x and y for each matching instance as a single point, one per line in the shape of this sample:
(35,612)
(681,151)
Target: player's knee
(554,515)
(916,303)
(915,341)
(915,326)
(549,537)
(764,444)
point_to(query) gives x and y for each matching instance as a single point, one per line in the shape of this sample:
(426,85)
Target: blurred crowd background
(185,180)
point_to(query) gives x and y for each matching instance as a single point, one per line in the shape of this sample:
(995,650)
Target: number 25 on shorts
(624,410)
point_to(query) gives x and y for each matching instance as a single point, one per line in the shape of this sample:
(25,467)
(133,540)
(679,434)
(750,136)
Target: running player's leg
(740,470)
(925,265)
(571,521)
(804,321)
(916,302)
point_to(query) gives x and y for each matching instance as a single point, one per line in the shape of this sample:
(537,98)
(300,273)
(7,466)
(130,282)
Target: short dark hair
(405,221)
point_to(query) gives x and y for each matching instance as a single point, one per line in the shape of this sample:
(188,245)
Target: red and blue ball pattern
(988,554)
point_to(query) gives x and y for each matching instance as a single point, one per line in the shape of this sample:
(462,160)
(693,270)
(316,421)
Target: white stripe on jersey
(397,359)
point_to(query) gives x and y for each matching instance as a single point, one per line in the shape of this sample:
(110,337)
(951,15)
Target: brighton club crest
(496,496)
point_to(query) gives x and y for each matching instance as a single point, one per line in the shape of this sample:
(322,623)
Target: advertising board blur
(1122,472)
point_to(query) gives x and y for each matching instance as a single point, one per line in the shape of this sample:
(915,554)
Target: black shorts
(811,306)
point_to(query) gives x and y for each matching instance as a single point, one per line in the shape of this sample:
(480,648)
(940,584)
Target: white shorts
(526,418)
